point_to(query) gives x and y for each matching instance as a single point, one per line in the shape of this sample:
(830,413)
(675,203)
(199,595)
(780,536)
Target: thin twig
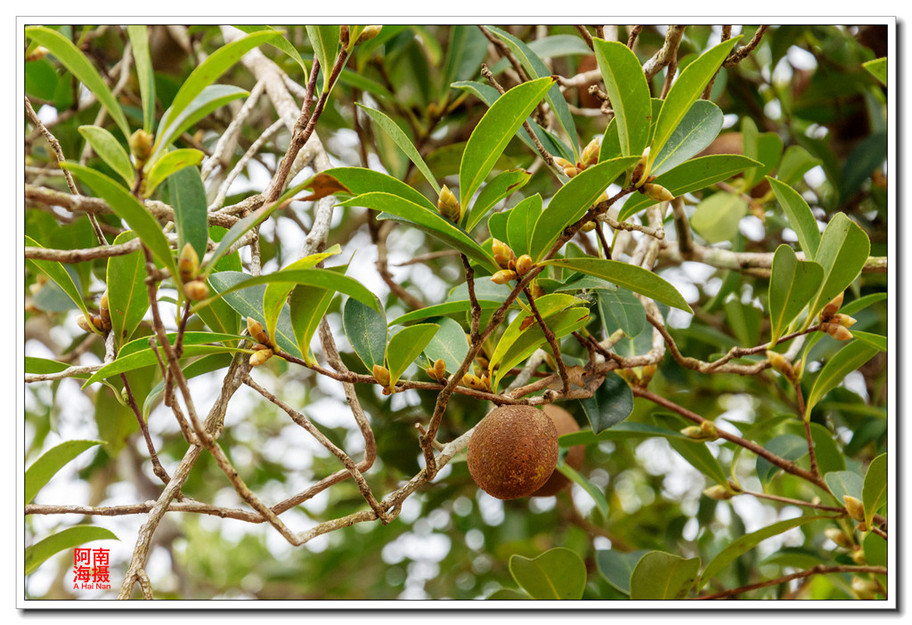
(820,569)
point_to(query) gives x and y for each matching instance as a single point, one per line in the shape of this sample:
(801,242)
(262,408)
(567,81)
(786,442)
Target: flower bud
(104,312)
(864,588)
(854,507)
(437,370)
(141,146)
(718,492)
(188,263)
(257,331)
(830,309)
(858,556)
(781,364)
(99,323)
(196,290)
(562,162)
(646,375)
(656,192)
(503,255)
(369,33)
(693,431)
(837,331)
(839,537)
(448,205)
(844,320)
(259,357)
(708,428)
(37,54)
(638,176)
(571,171)
(524,265)
(84,324)
(589,226)
(591,153)
(478,383)
(382,375)
(503,276)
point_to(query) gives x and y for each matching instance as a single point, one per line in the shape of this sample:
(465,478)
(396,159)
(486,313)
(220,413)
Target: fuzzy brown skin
(564,423)
(513,451)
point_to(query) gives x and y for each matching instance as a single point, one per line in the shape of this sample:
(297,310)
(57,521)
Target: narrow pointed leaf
(128,297)
(209,99)
(799,215)
(455,307)
(557,574)
(400,139)
(360,181)
(792,284)
(698,129)
(37,554)
(501,186)
(168,164)
(236,232)
(44,468)
(617,566)
(846,360)
(521,224)
(111,152)
(610,405)
(626,86)
(366,331)
(147,357)
(844,248)
(56,272)
(449,344)
(280,43)
(187,195)
(325,40)
(308,306)
(875,487)
(878,69)
(139,39)
(405,346)
(660,575)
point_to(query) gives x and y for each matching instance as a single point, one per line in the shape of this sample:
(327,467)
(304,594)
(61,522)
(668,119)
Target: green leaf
(501,186)
(366,331)
(626,86)
(591,489)
(717,217)
(449,344)
(33,364)
(621,431)
(660,575)
(800,217)
(794,164)
(36,554)
(792,284)
(788,446)
(508,594)
(111,152)
(236,232)
(745,543)
(698,129)
(878,69)
(617,566)
(611,403)
(78,65)
(206,364)
(875,340)
(521,224)
(768,150)
(466,49)
(405,144)
(325,40)
(204,75)
(875,487)
(56,272)
(843,483)
(846,360)
(209,99)
(139,39)
(405,346)
(44,468)
(308,305)
(621,309)
(447,308)
(844,248)
(558,573)
(170,163)
(128,296)
(684,92)
(689,176)
(631,277)
(360,181)
(187,195)
(866,158)
(218,315)
(131,211)
(494,131)
(147,357)
(572,201)
(397,207)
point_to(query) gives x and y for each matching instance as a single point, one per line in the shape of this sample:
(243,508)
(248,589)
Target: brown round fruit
(513,451)
(564,423)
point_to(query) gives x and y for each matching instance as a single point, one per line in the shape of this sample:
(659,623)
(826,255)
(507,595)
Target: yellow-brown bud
(257,331)
(84,324)
(448,205)
(844,320)
(503,276)
(839,537)
(832,306)
(781,364)
(571,171)
(437,370)
(141,146)
(99,323)
(837,331)
(589,226)
(196,290)
(656,192)
(864,588)
(369,33)
(709,430)
(37,54)
(382,375)
(503,255)
(718,492)
(591,153)
(858,556)
(646,375)
(638,176)
(854,507)
(259,357)
(104,312)
(562,162)
(188,263)
(524,265)
(476,382)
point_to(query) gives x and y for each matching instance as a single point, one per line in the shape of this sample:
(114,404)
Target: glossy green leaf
(865,159)
(209,99)
(202,77)
(558,573)
(521,224)
(308,306)
(745,543)
(767,150)
(501,186)
(626,86)
(698,129)
(33,364)
(536,68)
(878,69)
(466,50)
(170,163)
(325,41)
(509,594)
(147,357)
(875,487)
(572,201)
(843,483)
(128,296)
(792,285)
(218,315)
(717,217)
(611,403)
(279,43)
(617,566)
(361,181)
(397,207)
(788,446)
(689,176)
(796,162)
(449,344)
(405,144)
(206,364)
(35,555)
(236,232)
(620,309)
(494,131)
(875,551)
(660,575)
(44,468)
(187,195)
(80,66)
(591,489)
(131,211)
(111,152)
(405,346)
(684,92)
(844,248)
(877,341)
(366,331)
(800,217)
(56,272)
(145,74)
(447,308)
(631,277)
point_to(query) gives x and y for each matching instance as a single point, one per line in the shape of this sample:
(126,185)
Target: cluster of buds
(479,383)
(384,379)
(188,266)
(834,323)
(141,143)
(263,349)
(706,431)
(511,267)
(368,33)
(588,158)
(721,493)
(644,182)
(448,205)
(100,322)
(839,537)
(640,377)
(438,370)
(781,364)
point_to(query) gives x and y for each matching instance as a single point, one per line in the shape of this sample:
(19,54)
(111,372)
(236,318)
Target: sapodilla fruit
(564,423)
(513,451)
